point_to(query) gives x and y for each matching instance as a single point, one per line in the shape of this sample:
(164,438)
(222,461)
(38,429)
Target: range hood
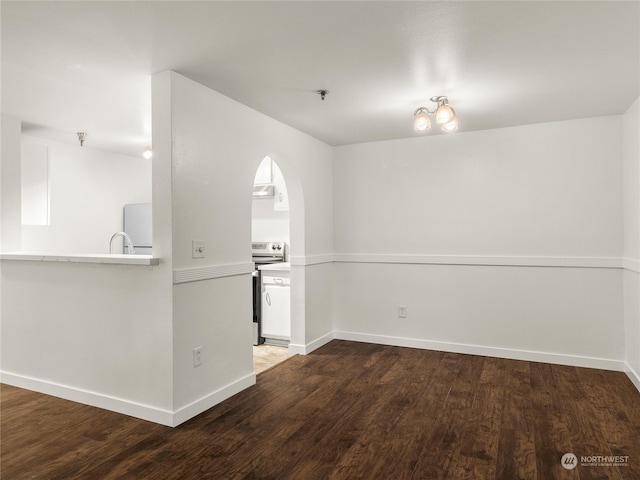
(264,191)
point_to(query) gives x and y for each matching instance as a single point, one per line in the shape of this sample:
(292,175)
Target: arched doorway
(276,230)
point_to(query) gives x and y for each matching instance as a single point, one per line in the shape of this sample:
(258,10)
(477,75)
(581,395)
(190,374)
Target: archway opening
(271,250)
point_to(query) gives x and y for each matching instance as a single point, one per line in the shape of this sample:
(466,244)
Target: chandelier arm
(423,109)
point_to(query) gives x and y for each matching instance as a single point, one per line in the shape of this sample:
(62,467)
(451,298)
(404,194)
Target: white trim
(470,260)
(118,405)
(305,260)
(507,261)
(205,403)
(555,358)
(633,376)
(631,264)
(194,274)
(126,407)
(310,347)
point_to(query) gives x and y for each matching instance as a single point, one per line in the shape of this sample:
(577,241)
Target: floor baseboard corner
(633,376)
(311,346)
(208,401)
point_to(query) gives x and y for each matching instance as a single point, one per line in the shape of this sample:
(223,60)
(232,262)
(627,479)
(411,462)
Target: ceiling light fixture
(148,152)
(445,116)
(422,121)
(81,137)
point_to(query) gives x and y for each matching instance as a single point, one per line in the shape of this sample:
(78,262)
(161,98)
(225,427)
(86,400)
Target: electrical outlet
(402,311)
(197,356)
(197,249)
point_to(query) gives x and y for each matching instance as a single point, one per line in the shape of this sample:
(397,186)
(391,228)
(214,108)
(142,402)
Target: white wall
(217,145)
(268,225)
(546,189)
(88,189)
(433,222)
(11,210)
(631,149)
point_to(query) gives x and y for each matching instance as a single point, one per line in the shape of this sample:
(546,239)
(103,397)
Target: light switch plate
(197,249)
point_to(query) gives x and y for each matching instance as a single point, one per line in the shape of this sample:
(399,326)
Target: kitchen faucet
(130,249)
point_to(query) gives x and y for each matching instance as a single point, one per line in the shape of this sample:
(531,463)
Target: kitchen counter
(276,267)
(112,259)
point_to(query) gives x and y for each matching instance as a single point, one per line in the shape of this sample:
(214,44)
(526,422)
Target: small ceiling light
(81,137)
(452,126)
(322,93)
(444,113)
(148,153)
(445,116)
(422,121)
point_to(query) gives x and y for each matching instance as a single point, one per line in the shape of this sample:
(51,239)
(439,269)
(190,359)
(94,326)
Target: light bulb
(422,121)
(445,114)
(148,153)
(450,126)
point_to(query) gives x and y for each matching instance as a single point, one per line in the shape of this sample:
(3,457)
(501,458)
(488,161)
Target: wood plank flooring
(348,411)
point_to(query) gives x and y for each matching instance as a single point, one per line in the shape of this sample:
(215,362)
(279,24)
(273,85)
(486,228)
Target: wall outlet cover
(197,356)
(197,249)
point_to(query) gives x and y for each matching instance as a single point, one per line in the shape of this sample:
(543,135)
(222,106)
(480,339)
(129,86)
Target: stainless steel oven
(263,253)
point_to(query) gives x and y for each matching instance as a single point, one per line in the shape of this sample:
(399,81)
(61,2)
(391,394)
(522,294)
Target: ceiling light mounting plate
(439,99)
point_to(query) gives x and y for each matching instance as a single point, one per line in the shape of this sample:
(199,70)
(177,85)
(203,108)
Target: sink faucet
(130,249)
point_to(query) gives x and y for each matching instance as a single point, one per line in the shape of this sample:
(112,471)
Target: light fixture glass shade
(445,114)
(451,126)
(148,153)
(422,121)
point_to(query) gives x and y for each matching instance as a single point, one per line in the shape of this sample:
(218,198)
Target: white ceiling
(86,66)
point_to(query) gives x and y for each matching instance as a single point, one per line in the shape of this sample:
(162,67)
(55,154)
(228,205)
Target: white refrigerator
(138,225)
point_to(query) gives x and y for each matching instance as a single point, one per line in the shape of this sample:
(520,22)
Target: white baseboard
(572,360)
(126,407)
(205,403)
(311,346)
(633,376)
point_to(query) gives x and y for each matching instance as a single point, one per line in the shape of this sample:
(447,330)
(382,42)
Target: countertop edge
(114,259)
(276,267)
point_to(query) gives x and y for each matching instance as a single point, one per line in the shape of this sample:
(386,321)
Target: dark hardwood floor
(348,411)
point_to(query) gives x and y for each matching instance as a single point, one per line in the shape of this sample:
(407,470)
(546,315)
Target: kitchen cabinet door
(276,312)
